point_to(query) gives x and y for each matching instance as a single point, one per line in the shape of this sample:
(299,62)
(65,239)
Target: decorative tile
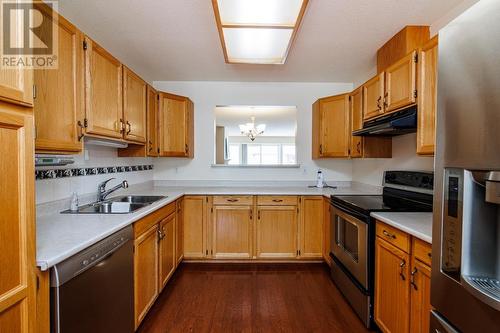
(79,172)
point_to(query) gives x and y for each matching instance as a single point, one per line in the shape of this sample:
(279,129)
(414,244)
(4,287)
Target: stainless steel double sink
(118,205)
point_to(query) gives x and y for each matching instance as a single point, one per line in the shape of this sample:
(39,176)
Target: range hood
(396,123)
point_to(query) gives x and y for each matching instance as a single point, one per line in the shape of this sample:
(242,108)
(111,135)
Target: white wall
(61,188)
(207,95)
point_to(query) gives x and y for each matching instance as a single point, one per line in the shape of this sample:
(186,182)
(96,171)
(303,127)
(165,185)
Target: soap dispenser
(319,179)
(74,202)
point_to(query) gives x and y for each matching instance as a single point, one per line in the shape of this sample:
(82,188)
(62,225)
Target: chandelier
(250,130)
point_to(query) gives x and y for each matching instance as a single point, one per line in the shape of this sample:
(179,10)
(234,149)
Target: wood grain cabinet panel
(179,242)
(176,126)
(311,225)
(232,232)
(134,106)
(392,290)
(373,93)
(195,227)
(103,92)
(152,122)
(146,268)
(17,224)
(331,136)
(427,99)
(167,260)
(400,83)
(420,297)
(59,100)
(277,232)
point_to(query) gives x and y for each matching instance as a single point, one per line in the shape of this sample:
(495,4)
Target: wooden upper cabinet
(331,127)
(232,232)
(103,92)
(17,221)
(373,93)
(134,106)
(392,290)
(311,224)
(167,260)
(420,297)
(427,99)
(400,83)
(356,110)
(152,119)
(276,232)
(176,126)
(195,226)
(59,100)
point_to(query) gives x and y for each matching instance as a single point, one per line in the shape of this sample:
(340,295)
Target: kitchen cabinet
(400,83)
(373,92)
(176,126)
(276,232)
(179,222)
(134,106)
(365,147)
(330,119)
(392,290)
(145,272)
(103,92)
(152,122)
(17,220)
(402,281)
(42,301)
(57,115)
(427,99)
(232,231)
(326,231)
(311,224)
(195,227)
(167,249)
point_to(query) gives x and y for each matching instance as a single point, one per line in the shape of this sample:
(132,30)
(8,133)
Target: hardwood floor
(251,298)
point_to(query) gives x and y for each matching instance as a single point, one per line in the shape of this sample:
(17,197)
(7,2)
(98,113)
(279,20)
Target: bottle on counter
(319,179)
(74,202)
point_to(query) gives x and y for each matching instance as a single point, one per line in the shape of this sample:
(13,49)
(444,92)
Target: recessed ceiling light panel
(258,31)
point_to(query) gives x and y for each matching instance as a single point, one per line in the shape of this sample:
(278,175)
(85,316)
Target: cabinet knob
(129,128)
(412,278)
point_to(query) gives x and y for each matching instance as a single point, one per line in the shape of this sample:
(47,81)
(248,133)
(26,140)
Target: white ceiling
(177,40)
(279,120)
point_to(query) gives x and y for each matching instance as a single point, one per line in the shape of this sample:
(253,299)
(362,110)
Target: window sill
(261,166)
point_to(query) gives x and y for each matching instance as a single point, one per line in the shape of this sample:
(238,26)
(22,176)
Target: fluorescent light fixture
(258,31)
(105,142)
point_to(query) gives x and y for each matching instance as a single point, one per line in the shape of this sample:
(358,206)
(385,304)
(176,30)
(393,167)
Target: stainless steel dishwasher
(93,291)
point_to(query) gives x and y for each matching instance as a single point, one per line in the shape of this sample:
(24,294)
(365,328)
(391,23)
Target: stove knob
(85,262)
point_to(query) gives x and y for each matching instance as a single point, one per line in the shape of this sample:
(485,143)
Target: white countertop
(59,236)
(415,224)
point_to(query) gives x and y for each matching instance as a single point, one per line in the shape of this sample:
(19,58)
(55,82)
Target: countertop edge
(401,226)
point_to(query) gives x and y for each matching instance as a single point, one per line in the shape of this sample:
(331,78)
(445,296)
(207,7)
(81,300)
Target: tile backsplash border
(89,171)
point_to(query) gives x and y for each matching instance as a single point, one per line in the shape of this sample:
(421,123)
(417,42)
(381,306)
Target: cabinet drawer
(394,236)
(146,222)
(233,200)
(422,251)
(273,200)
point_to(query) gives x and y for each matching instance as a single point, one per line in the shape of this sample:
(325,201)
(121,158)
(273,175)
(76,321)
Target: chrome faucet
(102,193)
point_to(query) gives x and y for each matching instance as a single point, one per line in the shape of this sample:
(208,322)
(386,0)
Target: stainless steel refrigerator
(465,289)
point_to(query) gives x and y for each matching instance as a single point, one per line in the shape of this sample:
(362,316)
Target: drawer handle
(277,200)
(233,200)
(389,234)
(402,266)
(412,278)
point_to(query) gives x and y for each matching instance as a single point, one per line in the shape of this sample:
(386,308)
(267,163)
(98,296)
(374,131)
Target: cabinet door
(152,119)
(16,83)
(420,298)
(167,249)
(134,106)
(17,224)
(311,227)
(427,99)
(103,92)
(356,109)
(59,101)
(232,232)
(373,92)
(334,118)
(392,288)
(400,83)
(195,225)
(175,126)
(179,243)
(145,272)
(277,232)
(326,231)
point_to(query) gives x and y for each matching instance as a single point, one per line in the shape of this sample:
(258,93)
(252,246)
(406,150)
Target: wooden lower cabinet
(311,224)
(402,285)
(179,222)
(276,232)
(145,272)
(326,231)
(195,226)
(232,232)
(167,249)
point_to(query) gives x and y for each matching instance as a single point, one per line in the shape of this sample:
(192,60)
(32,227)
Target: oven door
(349,243)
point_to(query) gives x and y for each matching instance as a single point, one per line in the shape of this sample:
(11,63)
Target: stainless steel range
(352,236)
